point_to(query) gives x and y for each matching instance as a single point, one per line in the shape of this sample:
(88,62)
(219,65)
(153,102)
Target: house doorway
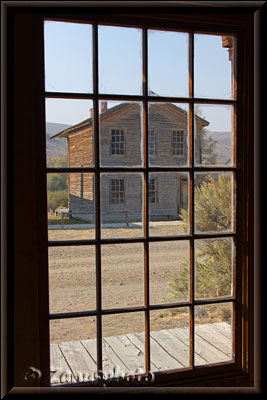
(184,194)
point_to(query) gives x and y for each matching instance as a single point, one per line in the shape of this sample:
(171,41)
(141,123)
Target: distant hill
(223,146)
(55,147)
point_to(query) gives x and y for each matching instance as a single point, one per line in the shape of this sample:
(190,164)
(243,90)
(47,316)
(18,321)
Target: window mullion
(146,198)
(191,189)
(97,201)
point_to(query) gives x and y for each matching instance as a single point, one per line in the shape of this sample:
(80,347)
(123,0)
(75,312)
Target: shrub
(213,205)
(213,262)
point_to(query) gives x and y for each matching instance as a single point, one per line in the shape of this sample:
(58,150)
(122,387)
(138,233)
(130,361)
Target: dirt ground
(72,283)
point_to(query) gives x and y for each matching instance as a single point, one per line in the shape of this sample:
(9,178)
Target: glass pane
(168,204)
(169,339)
(71,209)
(168,63)
(72,350)
(123,345)
(214,202)
(120,60)
(120,134)
(122,275)
(214,66)
(69,131)
(68,57)
(214,135)
(168,140)
(168,272)
(121,205)
(214,268)
(213,333)
(72,279)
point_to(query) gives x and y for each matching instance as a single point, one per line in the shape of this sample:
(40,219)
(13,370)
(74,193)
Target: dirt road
(73,287)
(72,283)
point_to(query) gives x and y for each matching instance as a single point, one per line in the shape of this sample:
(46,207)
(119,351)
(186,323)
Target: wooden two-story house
(121,146)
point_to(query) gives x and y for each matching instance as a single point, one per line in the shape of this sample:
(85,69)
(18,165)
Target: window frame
(117,192)
(244,30)
(121,130)
(175,144)
(155,191)
(146,170)
(153,142)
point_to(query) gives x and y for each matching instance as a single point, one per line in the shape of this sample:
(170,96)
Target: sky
(68,68)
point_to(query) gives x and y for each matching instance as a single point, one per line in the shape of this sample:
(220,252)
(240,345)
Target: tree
(57,199)
(57,185)
(57,162)
(57,182)
(207,149)
(208,155)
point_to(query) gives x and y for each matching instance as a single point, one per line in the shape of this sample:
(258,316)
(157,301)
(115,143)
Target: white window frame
(118,133)
(152,147)
(116,190)
(154,191)
(176,143)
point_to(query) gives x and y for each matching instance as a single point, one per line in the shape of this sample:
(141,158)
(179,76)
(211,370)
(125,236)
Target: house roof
(88,121)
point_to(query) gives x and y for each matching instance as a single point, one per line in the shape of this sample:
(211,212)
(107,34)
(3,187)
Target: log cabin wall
(81,186)
(80,148)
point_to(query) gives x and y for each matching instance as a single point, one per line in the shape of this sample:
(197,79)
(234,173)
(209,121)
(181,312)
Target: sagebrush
(213,257)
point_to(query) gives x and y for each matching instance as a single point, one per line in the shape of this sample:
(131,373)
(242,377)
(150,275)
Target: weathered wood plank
(90,346)
(81,362)
(161,358)
(215,338)
(173,346)
(58,364)
(139,343)
(223,328)
(209,352)
(183,335)
(125,352)
(111,360)
(107,356)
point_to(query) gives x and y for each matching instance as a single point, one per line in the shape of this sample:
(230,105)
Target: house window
(153,191)
(151,142)
(178,143)
(117,192)
(117,142)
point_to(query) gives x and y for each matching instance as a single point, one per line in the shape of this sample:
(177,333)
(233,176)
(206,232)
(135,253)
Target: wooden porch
(76,361)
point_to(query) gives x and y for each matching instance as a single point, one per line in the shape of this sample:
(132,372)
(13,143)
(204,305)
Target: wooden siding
(133,199)
(80,146)
(163,119)
(128,119)
(169,197)
(81,196)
